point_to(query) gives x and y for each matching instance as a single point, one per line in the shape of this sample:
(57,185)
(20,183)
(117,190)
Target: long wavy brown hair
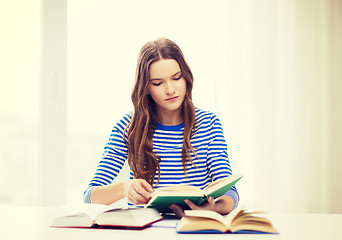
(142,160)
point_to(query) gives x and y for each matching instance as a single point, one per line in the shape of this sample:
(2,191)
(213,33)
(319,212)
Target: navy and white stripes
(211,163)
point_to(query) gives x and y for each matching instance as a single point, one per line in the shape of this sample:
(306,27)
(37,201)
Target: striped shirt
(211,163)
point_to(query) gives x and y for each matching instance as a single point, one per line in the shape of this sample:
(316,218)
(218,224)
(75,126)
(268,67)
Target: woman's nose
(169,89)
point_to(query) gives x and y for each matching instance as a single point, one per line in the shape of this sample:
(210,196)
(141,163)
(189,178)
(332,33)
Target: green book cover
(162,203)
(222,190)
(164,197)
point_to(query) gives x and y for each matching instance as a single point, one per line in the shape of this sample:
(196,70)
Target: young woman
(166,140)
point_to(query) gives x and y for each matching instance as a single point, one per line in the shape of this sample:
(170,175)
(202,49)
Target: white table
(32,222)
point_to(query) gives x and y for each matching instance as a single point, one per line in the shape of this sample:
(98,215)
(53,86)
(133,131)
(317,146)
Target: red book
(97,215)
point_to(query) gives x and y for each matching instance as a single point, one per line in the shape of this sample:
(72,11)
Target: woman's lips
(171,99)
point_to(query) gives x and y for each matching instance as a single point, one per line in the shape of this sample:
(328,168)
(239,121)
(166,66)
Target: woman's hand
(207,205)
(223,205)
(137,191)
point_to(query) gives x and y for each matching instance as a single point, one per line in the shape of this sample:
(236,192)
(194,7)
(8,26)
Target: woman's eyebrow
(155,79)
(158,79)
(175,74)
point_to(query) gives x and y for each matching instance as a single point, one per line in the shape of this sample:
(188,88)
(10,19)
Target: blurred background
(270,69)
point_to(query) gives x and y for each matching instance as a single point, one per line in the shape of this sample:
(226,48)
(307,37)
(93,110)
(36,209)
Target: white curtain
(278,90)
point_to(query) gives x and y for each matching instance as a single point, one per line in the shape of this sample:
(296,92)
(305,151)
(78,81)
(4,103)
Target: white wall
(19,101)
(263,66)
(104,39)
(269,69)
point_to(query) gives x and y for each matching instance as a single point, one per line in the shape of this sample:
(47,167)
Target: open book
(238,221)
(163,197)
(98,215)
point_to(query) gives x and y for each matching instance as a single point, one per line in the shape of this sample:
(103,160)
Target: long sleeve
(218,160)
(113,158)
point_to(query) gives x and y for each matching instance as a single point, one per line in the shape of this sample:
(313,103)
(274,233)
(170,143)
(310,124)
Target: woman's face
(167,86)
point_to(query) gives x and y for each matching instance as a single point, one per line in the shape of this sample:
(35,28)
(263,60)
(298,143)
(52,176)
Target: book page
(180,188)
(228,219)
(198,224)
(205,214)
(249,220)
(90,209)
(222,183)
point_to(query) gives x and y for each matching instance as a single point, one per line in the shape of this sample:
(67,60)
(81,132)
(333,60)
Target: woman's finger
(191,204)
(136,198)
(177,210)
(140,190)
(147,186)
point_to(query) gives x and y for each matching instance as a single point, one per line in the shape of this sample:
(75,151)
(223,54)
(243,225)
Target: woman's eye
(156,84)
(177,78)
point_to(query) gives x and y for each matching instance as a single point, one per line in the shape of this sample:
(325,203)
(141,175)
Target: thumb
(211,202)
